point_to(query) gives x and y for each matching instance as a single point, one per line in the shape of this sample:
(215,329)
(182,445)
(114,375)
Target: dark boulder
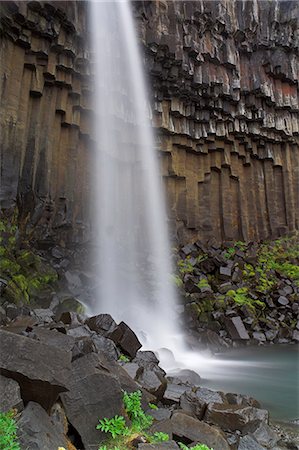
(106,346)
(266,436)
(102,324)
(196,402)
(82,347)
(93,393)
(174,392)
(236,328)
(188,428)
(153,382)
(126,339)
(236,417)
(10,396)
(41,370)
(170,445)
(249,443)
(36,430)
(53,338)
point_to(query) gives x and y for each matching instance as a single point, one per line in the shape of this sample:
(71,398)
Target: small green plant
(115,426)
(241,297)
(8,432)
(152,406)
(158,437)
(196,447)
(121,434)
(203,283)
(230,252)
(124,358)
(185,266)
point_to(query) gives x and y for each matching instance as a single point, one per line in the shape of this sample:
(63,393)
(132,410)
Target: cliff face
(224,78)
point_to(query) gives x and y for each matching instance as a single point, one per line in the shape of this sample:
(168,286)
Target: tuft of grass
(8,432)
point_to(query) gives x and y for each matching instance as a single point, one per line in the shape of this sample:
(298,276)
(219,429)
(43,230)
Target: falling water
(133,248)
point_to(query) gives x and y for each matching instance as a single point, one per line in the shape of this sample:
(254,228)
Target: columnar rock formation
(224,78)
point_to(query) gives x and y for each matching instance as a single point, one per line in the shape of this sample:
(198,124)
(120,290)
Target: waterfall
(133,249)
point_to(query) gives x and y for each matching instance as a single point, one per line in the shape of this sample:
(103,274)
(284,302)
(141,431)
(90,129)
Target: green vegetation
(185,266)
(26,274)
(196,447)
(231,251)
(122,435)
(152,406)
(8,432)
(242,297)
(124,358)
(203,283)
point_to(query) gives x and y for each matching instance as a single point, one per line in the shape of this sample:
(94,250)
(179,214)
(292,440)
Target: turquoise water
(270,374)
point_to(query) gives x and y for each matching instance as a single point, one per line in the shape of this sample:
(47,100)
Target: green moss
(185,266)
(203,283)
(241,297)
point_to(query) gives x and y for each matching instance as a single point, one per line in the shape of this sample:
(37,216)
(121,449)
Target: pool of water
(270,374)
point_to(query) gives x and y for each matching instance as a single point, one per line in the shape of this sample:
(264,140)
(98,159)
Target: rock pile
(65,374)
(240,294)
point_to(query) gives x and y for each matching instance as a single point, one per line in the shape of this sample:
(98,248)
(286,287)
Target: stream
(269,374)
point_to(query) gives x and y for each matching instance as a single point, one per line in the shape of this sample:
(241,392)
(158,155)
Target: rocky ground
(240,294)
(61,373)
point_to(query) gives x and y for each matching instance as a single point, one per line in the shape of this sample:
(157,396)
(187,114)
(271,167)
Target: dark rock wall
(224,78)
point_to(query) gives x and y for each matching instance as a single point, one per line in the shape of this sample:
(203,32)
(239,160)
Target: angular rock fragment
(174,392)
(102,324)
(125,338)
(41,370)
(93,393)
(196,402)
(236,417)
(187,427)
(37,431)
(249,443)
(236,328)
(10,397)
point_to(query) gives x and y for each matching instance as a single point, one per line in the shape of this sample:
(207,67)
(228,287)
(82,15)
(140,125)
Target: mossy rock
(69,304)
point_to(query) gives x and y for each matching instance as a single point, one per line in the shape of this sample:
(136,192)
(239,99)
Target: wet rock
(231,418)
(41,370)
(70,318)
(82,347)
(102,324)
(195,402)
(44,315)
(236,328)
(295,335)
(133,370)
(174,392)
(239,399)
(36,430)
(53,338)
(259,336)
(126,339)
(249,443)
(189,428)
(93,393)
(144,358)
(79,332)
(10,397)
(152,382)
(225,272)
(187,377)
(271,334)
(73,281)
(266,436)
(283,301)
(159,414)
(170,445)
(106,346)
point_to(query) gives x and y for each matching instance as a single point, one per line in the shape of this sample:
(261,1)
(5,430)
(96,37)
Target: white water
(132,248)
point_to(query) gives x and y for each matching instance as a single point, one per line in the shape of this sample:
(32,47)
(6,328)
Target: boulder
(126,339)
(170,445)
(174,392)
(188,428)
(282,300)
(106,346)
(249,443)
(159,413)
(265,436)
(53,338)
(82,347)
(188,377)
(236,328)
(37,431)
(239,399)
(236,417)
(93,393)
(102,324)
(80,332)
(196,402)
(41,370)
(133,370)
(10,396)
(70,318)
(153,382)
(225,272)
